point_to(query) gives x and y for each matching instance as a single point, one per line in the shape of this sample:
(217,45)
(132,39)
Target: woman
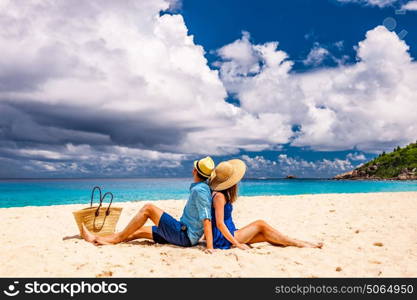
(223,183)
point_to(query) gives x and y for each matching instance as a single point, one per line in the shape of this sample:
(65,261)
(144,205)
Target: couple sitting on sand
(207,212)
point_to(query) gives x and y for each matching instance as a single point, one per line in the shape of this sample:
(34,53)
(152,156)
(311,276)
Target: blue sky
(296,24)
(142,88)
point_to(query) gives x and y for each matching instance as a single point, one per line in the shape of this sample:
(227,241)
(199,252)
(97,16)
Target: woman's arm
(219,202)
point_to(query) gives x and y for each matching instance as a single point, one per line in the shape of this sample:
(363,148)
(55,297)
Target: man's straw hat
(227,174)
(204,166)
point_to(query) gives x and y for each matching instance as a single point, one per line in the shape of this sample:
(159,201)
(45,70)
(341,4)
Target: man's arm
(203,205)
(208,234)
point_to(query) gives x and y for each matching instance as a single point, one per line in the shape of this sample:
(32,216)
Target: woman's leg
(260,231)
(148,211)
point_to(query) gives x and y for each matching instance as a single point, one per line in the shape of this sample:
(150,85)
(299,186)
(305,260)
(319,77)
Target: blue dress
(219,241)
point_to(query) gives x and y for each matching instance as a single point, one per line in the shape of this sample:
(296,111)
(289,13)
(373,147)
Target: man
(195,220)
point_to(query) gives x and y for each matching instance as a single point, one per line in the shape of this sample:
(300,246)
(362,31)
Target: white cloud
(284,165)
(105,161)
(239,58)
(130,85)
(369,105)
(412,5)
(117,72)
(316,56)
(339,44)
(297,164)
(175,5)
(45,154)
(258,162)
(355,157)
(379,3)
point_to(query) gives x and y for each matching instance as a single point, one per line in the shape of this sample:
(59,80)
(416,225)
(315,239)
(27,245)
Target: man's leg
(143,233)
(148,211)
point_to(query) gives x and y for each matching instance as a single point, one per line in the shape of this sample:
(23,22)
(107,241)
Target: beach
(364,235)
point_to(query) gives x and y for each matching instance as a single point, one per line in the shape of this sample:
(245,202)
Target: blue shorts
(170,231)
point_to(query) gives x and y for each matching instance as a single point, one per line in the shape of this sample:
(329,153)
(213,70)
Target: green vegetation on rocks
(401,164)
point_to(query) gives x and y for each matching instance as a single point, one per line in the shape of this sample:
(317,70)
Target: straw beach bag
(98,219)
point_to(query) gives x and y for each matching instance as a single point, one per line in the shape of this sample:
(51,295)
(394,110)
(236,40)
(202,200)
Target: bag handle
(92,195)
(111,201)
(101,203)
(101,200)
(107,210)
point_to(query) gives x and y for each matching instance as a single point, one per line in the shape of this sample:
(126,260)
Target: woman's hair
(231,193)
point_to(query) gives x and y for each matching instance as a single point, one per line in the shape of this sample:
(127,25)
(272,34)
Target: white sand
(32,244)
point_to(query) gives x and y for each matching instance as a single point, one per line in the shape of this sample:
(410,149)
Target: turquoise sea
(43,192)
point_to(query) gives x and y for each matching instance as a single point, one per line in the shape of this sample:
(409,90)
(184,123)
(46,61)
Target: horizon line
(86,178)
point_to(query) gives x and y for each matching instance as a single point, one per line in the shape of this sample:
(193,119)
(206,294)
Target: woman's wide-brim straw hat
(227,174)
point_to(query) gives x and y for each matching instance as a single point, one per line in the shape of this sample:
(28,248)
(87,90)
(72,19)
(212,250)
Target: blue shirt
(197,208)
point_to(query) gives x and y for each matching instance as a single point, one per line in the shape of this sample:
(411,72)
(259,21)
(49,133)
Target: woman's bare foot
(94,239)
(314,245)
(87,235)
(317,245)
(304,244)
